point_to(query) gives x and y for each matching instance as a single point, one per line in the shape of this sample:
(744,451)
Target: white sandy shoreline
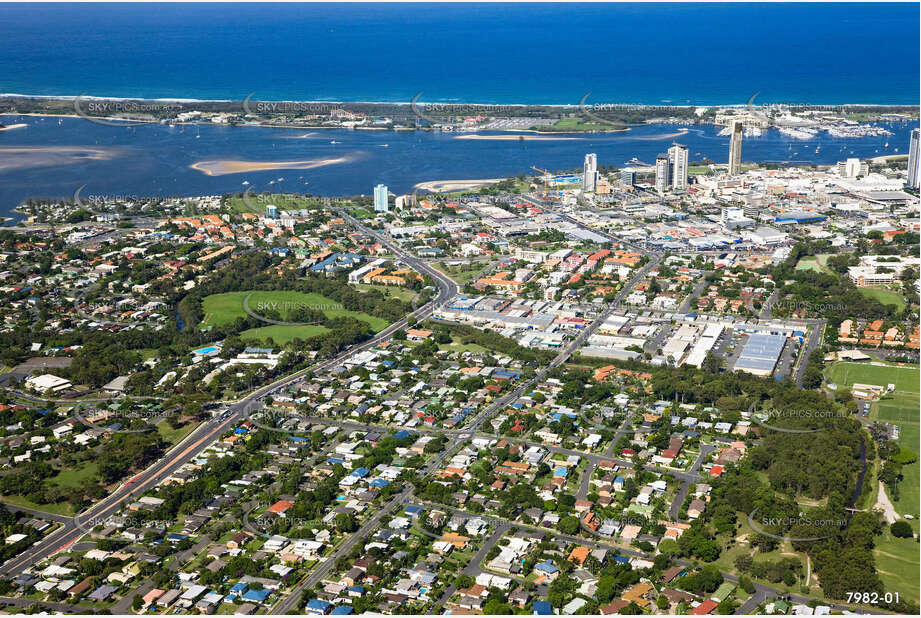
(45,97)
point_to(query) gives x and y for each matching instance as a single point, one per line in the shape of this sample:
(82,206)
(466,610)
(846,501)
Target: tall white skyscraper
(663,173)
(590,173)
(380,199)
(735,148)
(678,159)
(914,164)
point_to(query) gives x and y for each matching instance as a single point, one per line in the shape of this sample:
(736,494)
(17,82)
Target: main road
(208,432)
(292,599)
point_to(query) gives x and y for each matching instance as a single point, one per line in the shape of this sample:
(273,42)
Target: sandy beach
(887,158)
(439,186)
(223,167)
(656,138)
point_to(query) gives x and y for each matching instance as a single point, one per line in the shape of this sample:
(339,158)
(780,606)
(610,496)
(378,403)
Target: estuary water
(53,157)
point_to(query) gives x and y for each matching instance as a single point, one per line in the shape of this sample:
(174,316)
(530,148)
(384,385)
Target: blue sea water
(493,53)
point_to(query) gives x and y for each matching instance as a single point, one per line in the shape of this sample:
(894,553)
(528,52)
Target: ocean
(677,54)
(54,157)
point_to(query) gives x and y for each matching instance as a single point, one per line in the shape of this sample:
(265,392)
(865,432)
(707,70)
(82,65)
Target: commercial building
(663,173)
(765,236)
(735,148)
(732,217)
(678,159)
(628,176)
(381,195)
(914,164)
(590,173)
(760,354)
(852,168)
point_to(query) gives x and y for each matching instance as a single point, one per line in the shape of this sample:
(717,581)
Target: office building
(914,164)
(678,159)
(590,173)
(380,199)
(852,168)
(663,173)
(752,211)
(271,211)
(628,176)
(735,148)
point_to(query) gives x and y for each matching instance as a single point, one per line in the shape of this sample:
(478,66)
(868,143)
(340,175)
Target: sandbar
(223,167)
(23,157)
(438,186)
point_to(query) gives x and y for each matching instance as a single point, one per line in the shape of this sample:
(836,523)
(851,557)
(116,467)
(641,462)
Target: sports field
(227,307)
(885,296)
(283,334)
(816,263)
(897,560)
(846,374)
(902,410)
(897,563)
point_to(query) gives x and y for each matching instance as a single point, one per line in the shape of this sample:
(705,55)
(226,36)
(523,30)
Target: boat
(334,142)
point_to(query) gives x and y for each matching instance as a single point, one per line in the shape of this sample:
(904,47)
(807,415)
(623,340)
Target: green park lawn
(903,411)
(577,124)
(74,477)
(897,562)
(174,436)
(61,508)
(258,202)
(463,273)
(396,292)
(283,334)
(885,296)
(225,308)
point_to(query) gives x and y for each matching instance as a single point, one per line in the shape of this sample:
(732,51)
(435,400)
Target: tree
(137,603)
(901,529)
(463,581)
(345,523)
(569,524)
(495,607)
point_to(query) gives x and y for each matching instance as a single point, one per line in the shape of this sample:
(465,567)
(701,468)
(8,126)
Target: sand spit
(222,167)
(447,186)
